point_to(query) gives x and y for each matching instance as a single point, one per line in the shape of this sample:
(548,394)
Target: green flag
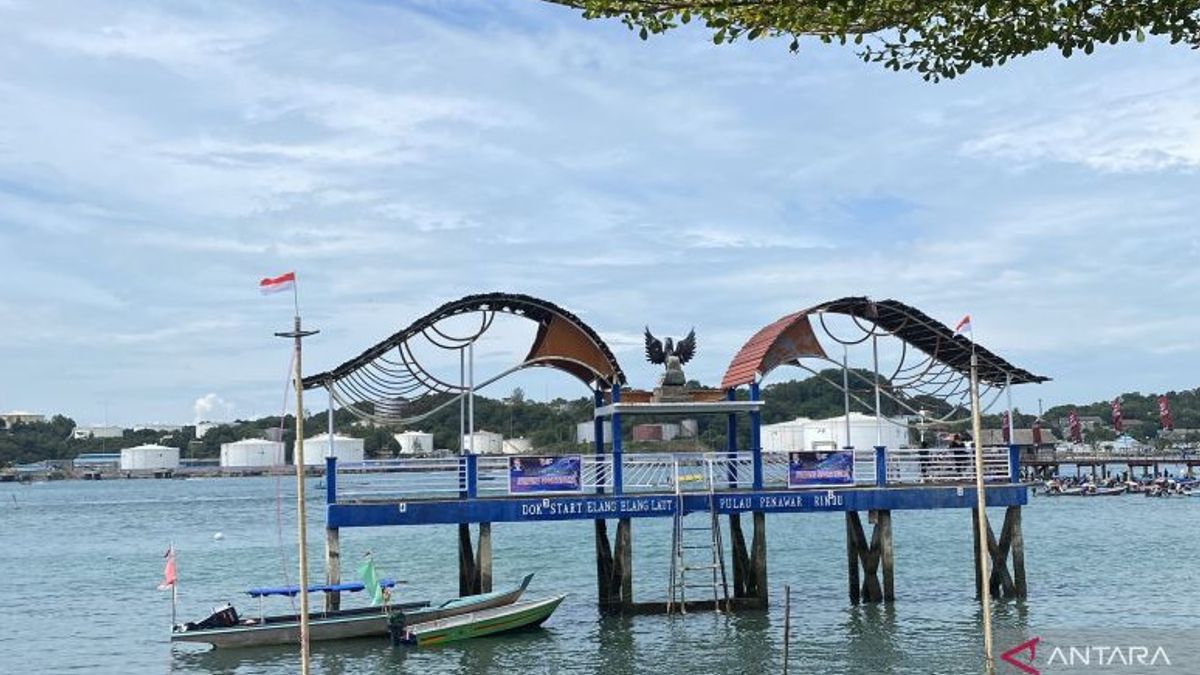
(366,572)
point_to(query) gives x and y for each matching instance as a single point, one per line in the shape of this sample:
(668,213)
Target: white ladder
(689,540)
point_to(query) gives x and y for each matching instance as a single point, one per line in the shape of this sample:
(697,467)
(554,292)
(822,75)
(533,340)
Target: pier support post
(466,562)
(474,562)
(1005,582)
(483,558)
(758,560)
(741,557)
(866,560)
(614,567)
(333,567)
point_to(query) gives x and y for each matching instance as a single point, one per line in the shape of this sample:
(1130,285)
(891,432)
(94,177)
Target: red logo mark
(1024,665)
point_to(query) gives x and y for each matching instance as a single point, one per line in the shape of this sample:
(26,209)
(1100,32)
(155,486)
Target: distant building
(803,434)
(483,443)
(97,431)
(163,428)
(97,460)
(250,453)
(1021,437)
(654,432)
(203,428)
(9,419)
(149,458)
(415,442)
(517,446)
(585,432)
(347,449)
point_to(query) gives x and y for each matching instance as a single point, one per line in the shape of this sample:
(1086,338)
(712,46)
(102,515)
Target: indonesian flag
(1037,431)
(1164,414)
(963,326)
(1074,428)
(168,570)
(1005,427)
(285,282)
(1116,415)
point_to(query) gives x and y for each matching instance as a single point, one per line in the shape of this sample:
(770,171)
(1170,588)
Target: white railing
(942,465)
(450,477)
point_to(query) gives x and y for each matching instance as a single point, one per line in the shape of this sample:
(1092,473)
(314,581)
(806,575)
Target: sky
(158,159)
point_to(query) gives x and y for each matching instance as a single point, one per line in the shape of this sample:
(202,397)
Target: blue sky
(157,159)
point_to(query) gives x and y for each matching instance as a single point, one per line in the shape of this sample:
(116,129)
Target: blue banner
(815,469)
(560,473)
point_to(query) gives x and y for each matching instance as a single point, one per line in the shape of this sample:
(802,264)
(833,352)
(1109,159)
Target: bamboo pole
(301,523)
(985,592)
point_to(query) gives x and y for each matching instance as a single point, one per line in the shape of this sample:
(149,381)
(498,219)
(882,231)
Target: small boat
(225,628)
(512,617)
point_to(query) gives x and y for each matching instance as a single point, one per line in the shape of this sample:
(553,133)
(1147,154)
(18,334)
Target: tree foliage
(937,38)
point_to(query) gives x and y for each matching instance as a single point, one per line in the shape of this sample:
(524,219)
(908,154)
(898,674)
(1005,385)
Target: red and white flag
(1118,425)
(1164,414)
(963,326)
(1074,427)
(283,282)
(168,570)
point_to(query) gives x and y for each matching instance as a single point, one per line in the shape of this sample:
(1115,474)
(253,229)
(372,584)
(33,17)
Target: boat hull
(513,617)
(348,624)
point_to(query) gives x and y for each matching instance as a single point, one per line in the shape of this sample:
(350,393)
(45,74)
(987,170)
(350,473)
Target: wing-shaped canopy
(563,342)
(791,338)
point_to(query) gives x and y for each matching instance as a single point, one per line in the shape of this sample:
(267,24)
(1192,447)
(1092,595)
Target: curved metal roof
(563,340)
(787,339)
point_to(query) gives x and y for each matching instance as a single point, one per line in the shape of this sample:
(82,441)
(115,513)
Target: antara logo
(1023,665)
(1023,655)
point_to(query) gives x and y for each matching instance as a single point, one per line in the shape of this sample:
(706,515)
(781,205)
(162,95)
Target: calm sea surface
(79,562)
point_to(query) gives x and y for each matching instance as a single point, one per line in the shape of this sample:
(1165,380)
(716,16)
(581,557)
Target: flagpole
(298,459)
(174,587)
(985,591)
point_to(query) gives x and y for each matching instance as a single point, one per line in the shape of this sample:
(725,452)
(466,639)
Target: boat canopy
(351,587)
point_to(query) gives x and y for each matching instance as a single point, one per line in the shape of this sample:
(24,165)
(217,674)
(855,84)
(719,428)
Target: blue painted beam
(576,507)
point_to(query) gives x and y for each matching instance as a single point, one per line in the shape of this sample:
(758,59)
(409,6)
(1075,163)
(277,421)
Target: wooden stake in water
(787,625)
(985,591)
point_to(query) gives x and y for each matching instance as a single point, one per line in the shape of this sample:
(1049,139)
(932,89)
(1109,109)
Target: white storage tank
(149,458)
(347,450)
(415,442)
(252,452)
(486,443)
(517,446)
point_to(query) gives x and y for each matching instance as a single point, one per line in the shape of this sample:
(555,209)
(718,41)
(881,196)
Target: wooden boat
(512,617)
(224,628)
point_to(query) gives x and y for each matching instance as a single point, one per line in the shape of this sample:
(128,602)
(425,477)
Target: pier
(718,490)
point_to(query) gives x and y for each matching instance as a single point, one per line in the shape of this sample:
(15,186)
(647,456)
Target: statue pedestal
(670,393)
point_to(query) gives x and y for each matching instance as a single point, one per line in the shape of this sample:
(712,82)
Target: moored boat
(225,628)
(512,617)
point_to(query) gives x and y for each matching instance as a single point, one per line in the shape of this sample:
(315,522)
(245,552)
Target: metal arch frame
(381,377)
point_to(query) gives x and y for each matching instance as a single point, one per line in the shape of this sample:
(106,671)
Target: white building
(805,434)
(97,431)
(157,426)
(517,446)
(149,458)
(8,419)
(415,442)
(252,452)
(485,443)
(585,432)
(348,450)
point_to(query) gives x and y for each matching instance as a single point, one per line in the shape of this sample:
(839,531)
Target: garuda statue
(673,356)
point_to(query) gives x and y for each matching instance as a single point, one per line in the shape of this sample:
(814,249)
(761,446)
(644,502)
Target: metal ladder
(687,538)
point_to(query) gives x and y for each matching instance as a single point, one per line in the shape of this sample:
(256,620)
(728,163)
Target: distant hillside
(551,425)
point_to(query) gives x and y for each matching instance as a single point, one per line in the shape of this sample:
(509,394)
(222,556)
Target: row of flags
(1075,429)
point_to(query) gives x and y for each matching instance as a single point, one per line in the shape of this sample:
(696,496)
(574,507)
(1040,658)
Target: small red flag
(168,570)
(283,282)
(1074,427)
(1116,415)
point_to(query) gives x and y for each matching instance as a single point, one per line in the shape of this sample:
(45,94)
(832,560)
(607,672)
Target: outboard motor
(224,616)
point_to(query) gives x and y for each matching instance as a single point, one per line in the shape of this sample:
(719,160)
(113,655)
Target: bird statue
(672,355)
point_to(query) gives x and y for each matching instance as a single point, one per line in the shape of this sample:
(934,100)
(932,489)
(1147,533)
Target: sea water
(80,560)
